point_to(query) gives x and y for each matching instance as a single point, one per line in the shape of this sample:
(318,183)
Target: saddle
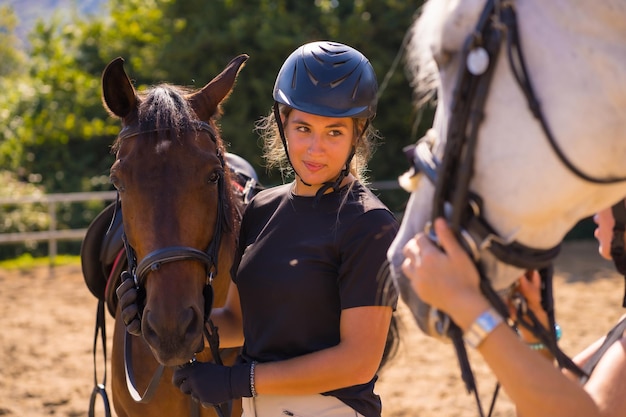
(102,253)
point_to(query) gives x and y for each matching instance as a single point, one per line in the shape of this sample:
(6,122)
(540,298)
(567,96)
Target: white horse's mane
(421,67)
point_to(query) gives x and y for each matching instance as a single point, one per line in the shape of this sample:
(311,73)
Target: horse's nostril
(187,318)
(147,328)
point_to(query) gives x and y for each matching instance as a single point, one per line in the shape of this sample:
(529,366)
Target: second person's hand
(445,277)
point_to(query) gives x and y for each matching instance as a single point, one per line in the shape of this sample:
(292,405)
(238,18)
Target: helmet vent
(344,77)
(310,74)
(317,57)
(294,76)
(356,88)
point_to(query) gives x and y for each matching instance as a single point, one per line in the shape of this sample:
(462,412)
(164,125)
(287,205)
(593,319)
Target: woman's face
(604,232)
(318,148)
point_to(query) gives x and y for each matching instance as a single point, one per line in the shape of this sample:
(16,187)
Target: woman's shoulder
(368,200)
(271,193)
(368,212)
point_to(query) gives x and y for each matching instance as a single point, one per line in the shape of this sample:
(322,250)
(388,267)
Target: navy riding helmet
(328,79)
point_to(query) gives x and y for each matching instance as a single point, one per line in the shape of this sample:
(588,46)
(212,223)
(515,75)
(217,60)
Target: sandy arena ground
(47,326)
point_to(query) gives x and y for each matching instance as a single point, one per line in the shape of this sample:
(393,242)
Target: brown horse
(179,226)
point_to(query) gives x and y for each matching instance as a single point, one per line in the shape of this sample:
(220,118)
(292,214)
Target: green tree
(188,42)
(55,133)
(12,57)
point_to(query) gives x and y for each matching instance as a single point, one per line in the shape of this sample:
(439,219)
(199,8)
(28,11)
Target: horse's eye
(116,183)
(215,176)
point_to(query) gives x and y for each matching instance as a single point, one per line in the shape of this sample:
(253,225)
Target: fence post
(52,243)
(52,235)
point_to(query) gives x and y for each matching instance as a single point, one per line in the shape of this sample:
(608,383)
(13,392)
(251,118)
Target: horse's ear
(205,101)
(118,93)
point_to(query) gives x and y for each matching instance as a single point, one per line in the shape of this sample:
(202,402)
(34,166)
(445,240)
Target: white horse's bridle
(451,175)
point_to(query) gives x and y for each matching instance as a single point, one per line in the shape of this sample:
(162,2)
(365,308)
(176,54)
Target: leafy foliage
(23,218)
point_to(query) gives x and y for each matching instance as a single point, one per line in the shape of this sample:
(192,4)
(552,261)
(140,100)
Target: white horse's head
(575,54)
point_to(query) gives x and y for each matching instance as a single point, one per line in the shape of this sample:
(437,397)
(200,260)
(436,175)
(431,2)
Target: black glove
(212,384)
(127,295)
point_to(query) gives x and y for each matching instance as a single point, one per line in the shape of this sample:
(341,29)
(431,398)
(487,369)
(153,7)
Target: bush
(19,218)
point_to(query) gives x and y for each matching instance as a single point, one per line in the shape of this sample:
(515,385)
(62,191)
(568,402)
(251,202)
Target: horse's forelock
(164,107)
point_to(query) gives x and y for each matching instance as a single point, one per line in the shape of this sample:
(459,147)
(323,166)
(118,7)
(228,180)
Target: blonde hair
(275,153)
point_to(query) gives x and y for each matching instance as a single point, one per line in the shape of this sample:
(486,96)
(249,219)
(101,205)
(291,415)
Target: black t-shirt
(304,262)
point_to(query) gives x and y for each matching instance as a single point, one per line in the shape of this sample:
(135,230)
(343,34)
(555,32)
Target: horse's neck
(576,49)
(592,19)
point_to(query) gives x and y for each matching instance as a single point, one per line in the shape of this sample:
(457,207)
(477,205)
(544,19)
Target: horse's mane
(421,66)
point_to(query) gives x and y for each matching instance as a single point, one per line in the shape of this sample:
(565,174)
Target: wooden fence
(52,235)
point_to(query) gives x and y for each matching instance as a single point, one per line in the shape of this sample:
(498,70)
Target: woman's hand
(445,278)
(212,384)
(529,287)
(528,291)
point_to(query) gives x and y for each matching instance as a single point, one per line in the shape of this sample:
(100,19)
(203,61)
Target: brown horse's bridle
(153,261)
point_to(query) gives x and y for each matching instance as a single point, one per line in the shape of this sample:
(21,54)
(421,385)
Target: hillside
(30,11)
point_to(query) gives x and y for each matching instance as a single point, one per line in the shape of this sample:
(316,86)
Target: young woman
(448,281)
(306,299)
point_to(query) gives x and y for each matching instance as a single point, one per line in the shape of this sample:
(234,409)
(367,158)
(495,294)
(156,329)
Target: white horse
(575,53)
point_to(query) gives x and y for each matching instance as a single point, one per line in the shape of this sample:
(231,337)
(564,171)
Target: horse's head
(177,211)
(525,188)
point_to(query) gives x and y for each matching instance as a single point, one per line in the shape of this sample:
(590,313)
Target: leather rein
(153,261)
(451,177)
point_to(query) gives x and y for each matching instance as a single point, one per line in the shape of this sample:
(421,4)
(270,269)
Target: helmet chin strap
(335,185)
(281,131)
(617,241)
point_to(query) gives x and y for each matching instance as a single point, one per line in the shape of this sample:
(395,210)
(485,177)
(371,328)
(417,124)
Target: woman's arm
(228,319)
(607,383)
(448,280)
(353,361)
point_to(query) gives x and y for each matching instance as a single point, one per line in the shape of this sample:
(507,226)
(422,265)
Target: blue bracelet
(541,346)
